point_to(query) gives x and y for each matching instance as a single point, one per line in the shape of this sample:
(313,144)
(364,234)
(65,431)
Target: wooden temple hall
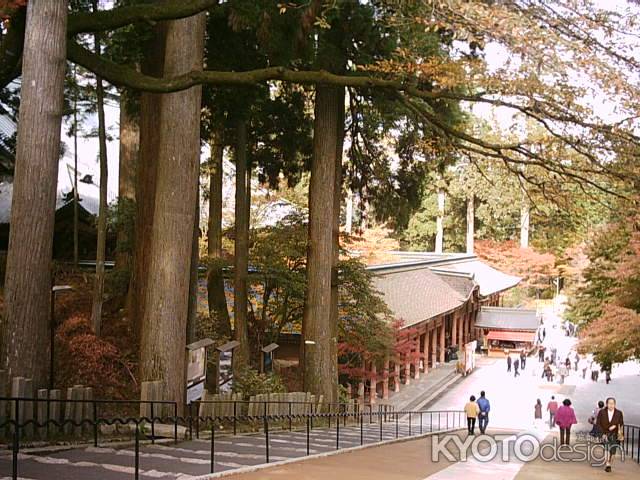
(437,297)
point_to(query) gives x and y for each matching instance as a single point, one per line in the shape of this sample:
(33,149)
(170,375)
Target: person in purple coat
(564,418)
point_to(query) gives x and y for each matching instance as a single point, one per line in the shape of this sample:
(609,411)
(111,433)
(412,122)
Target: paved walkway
(410,460)
(190,459)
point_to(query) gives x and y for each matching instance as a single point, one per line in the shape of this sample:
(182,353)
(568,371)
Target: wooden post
(373,393)
(441,332)
(434,357)
(385,380)
(41,413)
(454,329)
(425,351)
(407,372)
(396,378)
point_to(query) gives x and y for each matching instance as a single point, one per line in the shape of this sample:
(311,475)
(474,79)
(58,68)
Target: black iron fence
(631,444)
(40,425)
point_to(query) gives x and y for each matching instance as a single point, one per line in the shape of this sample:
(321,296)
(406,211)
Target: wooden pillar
(374,384)
(454,329)
(434,358)
(396,377)
(465,319)
(441,331)
(361,392)
(385,380)
(424,352)
(416,358)
(407,372)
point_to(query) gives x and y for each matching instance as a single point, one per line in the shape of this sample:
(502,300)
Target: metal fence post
(338,431)
(175,422)
(235,417)
(16,440)
(308,428)
(153,425)
(190,422)
(380,417)
(396,424)
(430,422)
(421,423)
(266,436)
(409,423)
(137,452)
(95,424)
(447,415)
(213,445)
(361,430)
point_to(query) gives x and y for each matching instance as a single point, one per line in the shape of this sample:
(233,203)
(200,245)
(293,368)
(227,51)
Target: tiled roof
(416,294)
(500,318)
(488,278)
(460,282)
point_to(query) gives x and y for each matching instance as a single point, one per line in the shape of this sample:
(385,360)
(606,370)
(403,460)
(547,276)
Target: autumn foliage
(611,294)
(534,267)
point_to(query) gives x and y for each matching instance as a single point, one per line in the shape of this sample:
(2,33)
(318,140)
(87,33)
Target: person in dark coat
(516,366)
(523,360)
(610,421)
(508,362)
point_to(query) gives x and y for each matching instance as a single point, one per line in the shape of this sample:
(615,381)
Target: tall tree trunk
(166,301)
(440,223)
(524,222)
(471,218)
(128,163)
(146,179)
(27,293)
(98,288)
(241,253)
(218,312)
(76,195)
(320,363)
(192,316)
(335,230)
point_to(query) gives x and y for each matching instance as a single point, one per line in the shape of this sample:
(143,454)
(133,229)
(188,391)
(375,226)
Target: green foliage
(251,382)
(598,286)
(122,219)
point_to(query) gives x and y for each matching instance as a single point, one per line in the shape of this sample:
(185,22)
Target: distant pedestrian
(472,410)
(537,412)
(607,375)
(595,371)
(483,416)
(552,408)
(611,422)
(544,333)
(508,363)
(584,365)
(523,360)
(541,353)
(562,373)
(567,363)
(576,361)
(564,418)
(516,366)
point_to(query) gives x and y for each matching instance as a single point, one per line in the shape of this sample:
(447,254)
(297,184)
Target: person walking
(607,375)
(516,366)
(483,415)
(472,410)
(523,360)
(576,361)
(584,365)
(508,363)
(610,421)
(541,353)
(552,408)
(544,333)
(595,371)
(564,418)
(537,413)
(593,420)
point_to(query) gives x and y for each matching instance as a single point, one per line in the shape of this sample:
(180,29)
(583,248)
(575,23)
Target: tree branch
(88,22)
